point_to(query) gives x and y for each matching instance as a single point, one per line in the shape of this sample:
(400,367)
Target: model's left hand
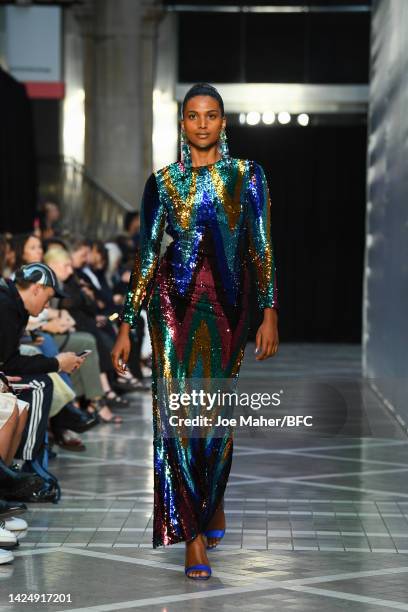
(267,338)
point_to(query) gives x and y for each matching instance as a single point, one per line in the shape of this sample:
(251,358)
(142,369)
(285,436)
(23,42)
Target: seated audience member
(27,249)
(84,309)
(34,285)
(98,261)
(113,269)
(129,241)
(49,216)
(79,251)
(98,363)
(13,415)
(7,255)
(95,273)
(13,418)
(53,243)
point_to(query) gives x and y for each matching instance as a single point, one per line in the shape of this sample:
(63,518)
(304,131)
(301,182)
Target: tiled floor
(314,519)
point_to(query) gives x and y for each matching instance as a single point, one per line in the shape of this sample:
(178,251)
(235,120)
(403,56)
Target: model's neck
(204,157)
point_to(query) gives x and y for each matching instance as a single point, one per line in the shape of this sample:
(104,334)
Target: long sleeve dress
(197,300)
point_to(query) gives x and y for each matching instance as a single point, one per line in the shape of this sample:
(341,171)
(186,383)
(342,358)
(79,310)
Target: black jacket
(13,320)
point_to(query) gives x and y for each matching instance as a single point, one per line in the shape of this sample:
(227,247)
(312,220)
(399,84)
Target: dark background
(274,47)
(317,174)
(316,178)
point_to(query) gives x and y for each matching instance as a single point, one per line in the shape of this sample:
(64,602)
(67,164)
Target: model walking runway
(197,300)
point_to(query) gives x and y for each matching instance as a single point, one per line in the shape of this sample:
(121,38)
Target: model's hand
(267,338)
(121,349)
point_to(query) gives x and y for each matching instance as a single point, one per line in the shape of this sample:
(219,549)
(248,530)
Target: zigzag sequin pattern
(198,306)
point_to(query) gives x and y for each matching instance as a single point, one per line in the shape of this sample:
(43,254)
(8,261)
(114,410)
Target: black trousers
(39,397)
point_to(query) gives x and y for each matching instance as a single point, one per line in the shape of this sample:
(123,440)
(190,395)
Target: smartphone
(84,353)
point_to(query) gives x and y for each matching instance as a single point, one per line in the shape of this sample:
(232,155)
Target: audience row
(59,304)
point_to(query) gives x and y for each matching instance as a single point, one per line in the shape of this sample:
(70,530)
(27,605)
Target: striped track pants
(39,397)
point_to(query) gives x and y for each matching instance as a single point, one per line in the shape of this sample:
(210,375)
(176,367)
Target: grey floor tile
(100,549)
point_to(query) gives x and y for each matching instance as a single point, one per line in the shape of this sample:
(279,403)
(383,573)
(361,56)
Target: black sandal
(100,405)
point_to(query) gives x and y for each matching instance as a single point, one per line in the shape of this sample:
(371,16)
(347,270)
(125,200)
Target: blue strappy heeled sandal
(199,566)
(214,533)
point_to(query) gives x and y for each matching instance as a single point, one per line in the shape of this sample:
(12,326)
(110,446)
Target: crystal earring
(185,153)
(223,144)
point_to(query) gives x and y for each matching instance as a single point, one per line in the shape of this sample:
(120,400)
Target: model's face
(202,121)
(33,251)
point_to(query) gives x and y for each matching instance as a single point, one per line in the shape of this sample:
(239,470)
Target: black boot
(8,509)
(44,495)
(71,417)
(17,483)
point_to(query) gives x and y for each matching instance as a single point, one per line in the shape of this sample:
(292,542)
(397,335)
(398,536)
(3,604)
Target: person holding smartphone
(33,286)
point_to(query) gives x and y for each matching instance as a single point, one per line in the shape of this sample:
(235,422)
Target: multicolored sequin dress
(197,301)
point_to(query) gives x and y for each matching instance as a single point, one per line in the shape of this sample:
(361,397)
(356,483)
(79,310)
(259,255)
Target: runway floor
(315,519)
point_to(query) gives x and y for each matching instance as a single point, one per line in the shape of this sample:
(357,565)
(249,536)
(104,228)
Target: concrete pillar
(165,119)
(119,95)
(73,114)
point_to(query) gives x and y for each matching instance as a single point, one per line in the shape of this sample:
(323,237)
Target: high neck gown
(197,301)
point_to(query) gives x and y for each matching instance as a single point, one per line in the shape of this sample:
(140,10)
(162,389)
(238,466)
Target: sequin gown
(197,301)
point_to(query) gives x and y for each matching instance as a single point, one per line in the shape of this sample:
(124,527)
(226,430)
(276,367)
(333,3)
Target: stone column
(119,95)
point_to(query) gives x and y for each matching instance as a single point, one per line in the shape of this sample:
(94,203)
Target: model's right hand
(121,350)
(69,362)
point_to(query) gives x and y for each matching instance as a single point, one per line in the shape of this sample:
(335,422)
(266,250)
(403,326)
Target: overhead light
(284,117)
(268,117)
(242,118)
(303,119)
(253,118)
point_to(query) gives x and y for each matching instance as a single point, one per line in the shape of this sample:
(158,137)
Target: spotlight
(268,117)
(303,119)
(284,117)
(253,118)
(242,118)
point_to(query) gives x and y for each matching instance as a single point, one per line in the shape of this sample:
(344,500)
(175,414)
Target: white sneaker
(6,556)
(15,524)
(7,538)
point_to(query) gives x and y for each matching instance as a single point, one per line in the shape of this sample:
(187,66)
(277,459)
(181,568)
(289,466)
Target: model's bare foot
(217,522)
(195,554)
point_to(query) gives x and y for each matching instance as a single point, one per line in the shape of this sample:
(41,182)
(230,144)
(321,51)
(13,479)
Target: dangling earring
(185,153)
(223,144)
